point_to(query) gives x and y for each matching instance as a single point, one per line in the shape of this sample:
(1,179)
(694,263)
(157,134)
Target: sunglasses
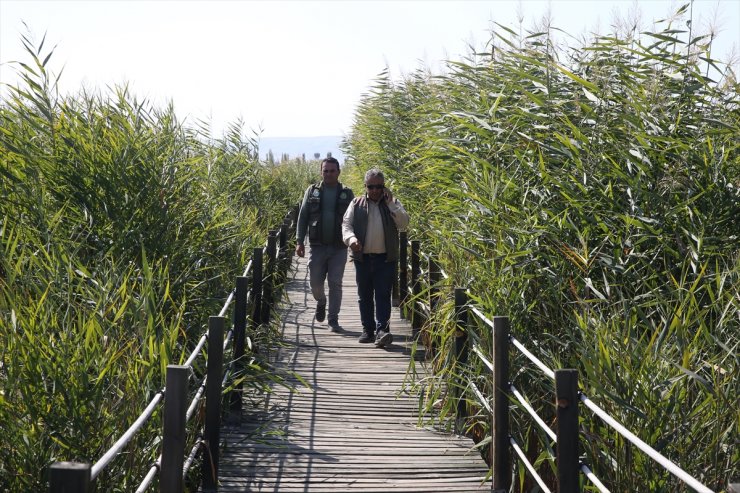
(375,187)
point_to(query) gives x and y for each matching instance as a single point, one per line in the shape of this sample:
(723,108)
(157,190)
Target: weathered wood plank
(355,428)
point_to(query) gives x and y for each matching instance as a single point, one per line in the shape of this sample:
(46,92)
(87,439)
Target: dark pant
(374,278)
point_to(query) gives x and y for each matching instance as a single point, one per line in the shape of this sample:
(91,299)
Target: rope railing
(191,458)
(654,454)
(528,465)
(172,465)
(415,306)
(111,454)
(230,298)
(477,350)
(523,402)
(173,468)
(196,400)
(547,371)
(533,413)
(594,480)
(196,351)
(150,476)
(481,398)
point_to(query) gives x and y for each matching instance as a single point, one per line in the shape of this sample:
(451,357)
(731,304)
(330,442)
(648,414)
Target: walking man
(320,217)
(370,229)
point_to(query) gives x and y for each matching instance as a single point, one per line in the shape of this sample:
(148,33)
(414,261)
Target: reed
(121,231)
(591,194)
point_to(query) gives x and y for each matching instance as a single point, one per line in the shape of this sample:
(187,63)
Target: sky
(289,68)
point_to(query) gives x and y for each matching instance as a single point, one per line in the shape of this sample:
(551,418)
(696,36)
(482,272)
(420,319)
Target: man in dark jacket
(370,228)
(320,217)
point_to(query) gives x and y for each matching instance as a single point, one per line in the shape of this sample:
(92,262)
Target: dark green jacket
(309,217)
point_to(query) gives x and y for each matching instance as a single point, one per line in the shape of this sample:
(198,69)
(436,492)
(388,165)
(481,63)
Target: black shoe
(366,337)
(320,314)
(383,339)
(334,326)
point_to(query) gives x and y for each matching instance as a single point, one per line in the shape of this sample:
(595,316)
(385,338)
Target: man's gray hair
(374,173)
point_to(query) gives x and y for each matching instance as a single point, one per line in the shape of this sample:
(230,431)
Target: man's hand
(388,196)
(300,250)
(360,201)
(355,245)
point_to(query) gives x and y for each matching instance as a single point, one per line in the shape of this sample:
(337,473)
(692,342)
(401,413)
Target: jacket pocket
(314,235)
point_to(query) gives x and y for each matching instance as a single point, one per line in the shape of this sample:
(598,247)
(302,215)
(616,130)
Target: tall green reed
(590,194)
(121,231)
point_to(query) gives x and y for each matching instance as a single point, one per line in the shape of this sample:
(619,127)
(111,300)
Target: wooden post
(395,301)
(283,250)
(566,401)
(173,429)
(283,236)
(415,286)
(293,226)
(240,336)
(257,275)
(294,217)
(269,278)
(403,272)
(500,457)
(435,276)
(211,435)
(70,477)
(461,349)
(255,295)
(287,225)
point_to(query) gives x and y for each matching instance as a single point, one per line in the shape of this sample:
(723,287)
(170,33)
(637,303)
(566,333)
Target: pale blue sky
(292,68)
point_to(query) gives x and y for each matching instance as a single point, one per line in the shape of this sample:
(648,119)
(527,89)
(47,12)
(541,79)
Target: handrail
(482,357)
(77,477)
(150,475)
(547,371)
(528,465)
(533,413)
(233,291)
(656,456)
(196,350)
(190,460)
(414,307)
(592,477)
(126,437)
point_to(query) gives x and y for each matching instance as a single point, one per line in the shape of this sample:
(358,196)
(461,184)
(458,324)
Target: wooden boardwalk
(354,429)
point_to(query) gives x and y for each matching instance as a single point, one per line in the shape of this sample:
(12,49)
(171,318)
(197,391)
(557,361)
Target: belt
(374,254)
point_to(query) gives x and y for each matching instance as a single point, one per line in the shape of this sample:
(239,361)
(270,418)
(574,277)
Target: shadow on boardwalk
(354,429)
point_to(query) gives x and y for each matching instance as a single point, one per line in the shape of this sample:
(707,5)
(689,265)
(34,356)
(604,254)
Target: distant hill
(296,146)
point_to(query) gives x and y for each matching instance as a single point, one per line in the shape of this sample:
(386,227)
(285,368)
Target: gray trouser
(327,261)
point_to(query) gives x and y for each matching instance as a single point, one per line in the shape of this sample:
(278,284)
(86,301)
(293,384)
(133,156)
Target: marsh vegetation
(592,195)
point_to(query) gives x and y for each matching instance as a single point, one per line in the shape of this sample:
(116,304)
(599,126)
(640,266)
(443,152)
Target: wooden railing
(419,294)
(253,298)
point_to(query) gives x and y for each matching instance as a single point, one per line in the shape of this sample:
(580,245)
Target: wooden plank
(356,428)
